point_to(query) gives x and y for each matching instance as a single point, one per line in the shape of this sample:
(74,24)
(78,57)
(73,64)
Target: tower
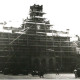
(46,50)
(36,20)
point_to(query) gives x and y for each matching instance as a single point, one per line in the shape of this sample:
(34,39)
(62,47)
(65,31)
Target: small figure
(41,74)
(75,72)
(57,71)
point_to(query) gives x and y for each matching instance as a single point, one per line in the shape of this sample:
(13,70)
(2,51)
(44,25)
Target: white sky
(63,14)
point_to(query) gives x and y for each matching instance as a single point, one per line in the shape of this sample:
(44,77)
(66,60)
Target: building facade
(39,48)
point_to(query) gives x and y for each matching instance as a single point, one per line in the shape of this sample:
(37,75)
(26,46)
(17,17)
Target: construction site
(36,47)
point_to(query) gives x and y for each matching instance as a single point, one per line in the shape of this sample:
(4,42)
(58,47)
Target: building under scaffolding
(36,47)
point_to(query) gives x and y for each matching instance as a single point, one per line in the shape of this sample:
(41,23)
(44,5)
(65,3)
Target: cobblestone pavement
(46,76)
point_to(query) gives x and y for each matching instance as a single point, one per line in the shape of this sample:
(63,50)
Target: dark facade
(36,50)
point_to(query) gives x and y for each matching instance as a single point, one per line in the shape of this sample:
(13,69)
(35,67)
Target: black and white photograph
(40,39)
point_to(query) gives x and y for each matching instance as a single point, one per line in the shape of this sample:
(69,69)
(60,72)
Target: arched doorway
(43,65)
(36,64)
(51,65)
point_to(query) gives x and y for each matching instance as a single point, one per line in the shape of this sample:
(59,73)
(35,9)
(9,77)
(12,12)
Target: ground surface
(46,76)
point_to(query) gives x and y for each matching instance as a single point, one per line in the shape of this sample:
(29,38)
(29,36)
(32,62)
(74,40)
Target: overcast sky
(63,14)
